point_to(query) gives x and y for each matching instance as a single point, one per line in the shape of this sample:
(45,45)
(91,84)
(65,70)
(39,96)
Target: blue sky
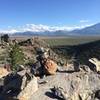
(14,13)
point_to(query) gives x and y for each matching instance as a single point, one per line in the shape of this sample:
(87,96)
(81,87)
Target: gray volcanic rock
(78,86)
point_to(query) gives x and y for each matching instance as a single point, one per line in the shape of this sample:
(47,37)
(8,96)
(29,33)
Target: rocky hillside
(57,73)
(82,52)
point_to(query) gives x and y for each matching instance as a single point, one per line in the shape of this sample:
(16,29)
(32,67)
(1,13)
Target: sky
(61,13)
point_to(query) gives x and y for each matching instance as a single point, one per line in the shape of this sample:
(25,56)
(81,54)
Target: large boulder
(12,82)
(50,66)
(15,82)
(26,77)
(28,91)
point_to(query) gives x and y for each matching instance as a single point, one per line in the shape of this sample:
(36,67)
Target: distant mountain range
(46,33)
(91,30)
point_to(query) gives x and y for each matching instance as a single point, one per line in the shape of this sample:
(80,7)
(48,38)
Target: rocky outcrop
(44,64)
(12,82)
(28,91)
(96,62)
(17,82)
(81,85)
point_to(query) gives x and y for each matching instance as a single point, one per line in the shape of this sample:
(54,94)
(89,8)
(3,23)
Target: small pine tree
(17,57)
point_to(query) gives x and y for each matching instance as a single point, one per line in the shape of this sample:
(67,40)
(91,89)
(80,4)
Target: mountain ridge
(44,31)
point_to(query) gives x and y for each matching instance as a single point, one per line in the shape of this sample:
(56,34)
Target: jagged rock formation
(44,64)
(29,90)
(20,85)
(96,62)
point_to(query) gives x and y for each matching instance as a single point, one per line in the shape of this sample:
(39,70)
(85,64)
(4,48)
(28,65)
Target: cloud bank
(41,28)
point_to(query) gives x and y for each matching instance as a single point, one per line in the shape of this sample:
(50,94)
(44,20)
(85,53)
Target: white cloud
(41,28)
(84,21)
(11,31)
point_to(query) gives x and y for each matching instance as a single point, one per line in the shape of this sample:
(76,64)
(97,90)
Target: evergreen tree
(17,57)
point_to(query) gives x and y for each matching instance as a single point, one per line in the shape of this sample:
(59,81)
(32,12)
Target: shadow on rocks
(11,87)
(66,71)
(51,95)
